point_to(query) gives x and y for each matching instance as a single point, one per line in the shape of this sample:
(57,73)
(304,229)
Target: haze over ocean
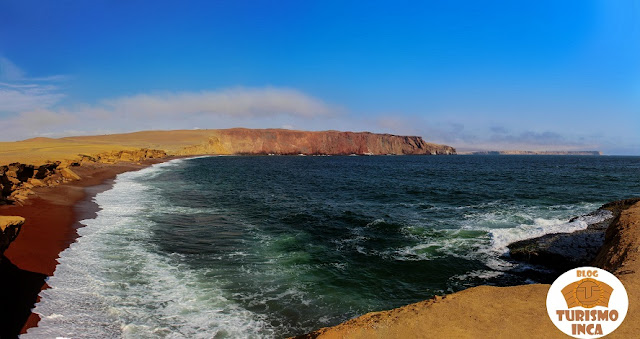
(277,246)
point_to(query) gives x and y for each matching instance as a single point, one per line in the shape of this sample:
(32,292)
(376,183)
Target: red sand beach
(52,215)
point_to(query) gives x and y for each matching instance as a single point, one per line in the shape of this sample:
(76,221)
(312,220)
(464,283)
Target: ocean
(274,246)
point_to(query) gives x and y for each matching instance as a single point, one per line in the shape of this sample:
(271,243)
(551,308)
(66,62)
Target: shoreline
(64,206)
(510,311)
(52,216)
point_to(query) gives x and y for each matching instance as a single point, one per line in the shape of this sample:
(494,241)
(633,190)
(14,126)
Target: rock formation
(17,180)
(9,229)
(563,251)
(124,155)
(290,142)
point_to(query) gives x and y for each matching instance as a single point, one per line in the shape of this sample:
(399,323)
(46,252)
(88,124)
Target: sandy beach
(52,215)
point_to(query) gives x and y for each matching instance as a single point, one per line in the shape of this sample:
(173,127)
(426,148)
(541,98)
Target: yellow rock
(9,229)
(6,222)
(36,182)
(69,174)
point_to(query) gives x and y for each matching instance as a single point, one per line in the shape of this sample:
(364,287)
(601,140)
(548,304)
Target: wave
(113,282)
(232,250)
(485,236)
(501,238)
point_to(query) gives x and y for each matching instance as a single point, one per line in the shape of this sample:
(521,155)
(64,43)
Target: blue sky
(539,75)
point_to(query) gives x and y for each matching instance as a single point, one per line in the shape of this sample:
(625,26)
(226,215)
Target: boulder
(36,182)
(69,174)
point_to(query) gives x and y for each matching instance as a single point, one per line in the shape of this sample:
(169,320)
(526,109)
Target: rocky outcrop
(290,142)
(124,155)
(68,174)
(621,246)
(563,251)
(533,153)
(9,229)
(17,180)
(506,312)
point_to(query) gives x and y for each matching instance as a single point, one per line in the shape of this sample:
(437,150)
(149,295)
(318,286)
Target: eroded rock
(9,229)
(67,173)
(564,251)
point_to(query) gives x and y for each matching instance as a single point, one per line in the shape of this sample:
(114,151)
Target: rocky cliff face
(290,142)
(9,229)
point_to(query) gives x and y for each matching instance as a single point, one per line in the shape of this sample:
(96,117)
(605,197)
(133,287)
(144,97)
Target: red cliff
(288,142)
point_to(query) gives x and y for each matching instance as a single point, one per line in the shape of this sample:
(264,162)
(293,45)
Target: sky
(476,75)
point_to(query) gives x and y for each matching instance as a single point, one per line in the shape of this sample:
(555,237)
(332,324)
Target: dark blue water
(278,246)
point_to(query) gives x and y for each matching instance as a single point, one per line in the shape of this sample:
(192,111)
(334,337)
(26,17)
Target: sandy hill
(41,150)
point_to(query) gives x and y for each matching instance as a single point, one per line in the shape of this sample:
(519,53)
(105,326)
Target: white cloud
(39,118)
(237,107)
(30,107)
(16,98)
(19,93)
(239,102)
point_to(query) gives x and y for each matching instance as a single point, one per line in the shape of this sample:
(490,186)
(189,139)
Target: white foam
(438,248)
(113,283)
(479,274)
(501,238)
(502,226)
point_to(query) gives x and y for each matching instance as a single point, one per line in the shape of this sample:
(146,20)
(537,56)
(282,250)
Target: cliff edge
(41,150)
(504,312)
(290,142)
(9,229)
